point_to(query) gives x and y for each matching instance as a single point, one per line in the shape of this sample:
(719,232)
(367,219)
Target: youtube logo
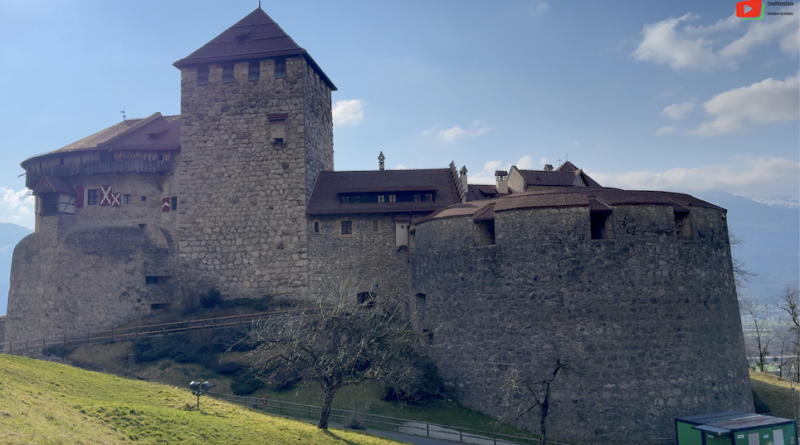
(750,10)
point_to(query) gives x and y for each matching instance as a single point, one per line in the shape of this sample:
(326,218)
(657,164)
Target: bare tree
(740,273)
(758,315)
(789,302)
(530,393)
(342,339)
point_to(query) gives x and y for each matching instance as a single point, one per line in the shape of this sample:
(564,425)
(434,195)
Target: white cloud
(401,167)
(451,134)
(678,111)
(526,163)
(762,102)
(542,8)
(17,207)
(543,162)
(668,92)
(348,112)
(679,44)
(669,129)
(746,176)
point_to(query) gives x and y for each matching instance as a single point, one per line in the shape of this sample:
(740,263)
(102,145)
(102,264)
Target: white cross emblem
(106,199)
(115,200)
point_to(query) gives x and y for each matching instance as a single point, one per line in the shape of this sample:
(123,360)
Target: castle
(634,289)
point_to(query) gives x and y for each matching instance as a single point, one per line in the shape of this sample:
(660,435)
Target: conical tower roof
(256,36)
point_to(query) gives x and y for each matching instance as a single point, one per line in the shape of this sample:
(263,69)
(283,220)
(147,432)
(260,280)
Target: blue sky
(676,95)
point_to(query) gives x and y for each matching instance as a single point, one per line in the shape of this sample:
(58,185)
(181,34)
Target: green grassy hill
(780,395)
(48,403)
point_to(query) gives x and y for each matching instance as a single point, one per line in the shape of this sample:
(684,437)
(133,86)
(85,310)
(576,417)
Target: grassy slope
(777,393)
(363,398)
(43,402)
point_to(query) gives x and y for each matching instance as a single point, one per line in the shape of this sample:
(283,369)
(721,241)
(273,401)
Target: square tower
(256,131)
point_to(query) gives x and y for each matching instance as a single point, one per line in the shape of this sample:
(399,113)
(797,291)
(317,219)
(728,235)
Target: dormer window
(254,71)
(241,39)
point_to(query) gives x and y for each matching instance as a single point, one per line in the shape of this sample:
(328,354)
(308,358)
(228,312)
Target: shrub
(229,368)
(246,385)
(211,299)
(429,386)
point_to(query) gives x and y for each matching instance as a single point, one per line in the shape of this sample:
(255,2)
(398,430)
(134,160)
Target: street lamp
(199,389)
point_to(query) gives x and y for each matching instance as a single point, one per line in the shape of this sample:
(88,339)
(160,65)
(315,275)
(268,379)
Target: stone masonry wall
(87,271)
(648,323)
(317,110)
(368,258)
(243,197)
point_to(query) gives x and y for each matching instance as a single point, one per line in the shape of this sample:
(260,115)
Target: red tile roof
(154,133)
(325,198)
(261,38)
(571,197)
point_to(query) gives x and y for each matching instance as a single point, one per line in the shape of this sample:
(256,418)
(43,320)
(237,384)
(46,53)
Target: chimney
(464,184)
(381,158)
(502,181)
(548,167)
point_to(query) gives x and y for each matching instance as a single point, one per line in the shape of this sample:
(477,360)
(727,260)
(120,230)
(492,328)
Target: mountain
(771,231)
(10,234)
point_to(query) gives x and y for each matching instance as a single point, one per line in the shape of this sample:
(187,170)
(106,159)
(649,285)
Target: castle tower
(256,132)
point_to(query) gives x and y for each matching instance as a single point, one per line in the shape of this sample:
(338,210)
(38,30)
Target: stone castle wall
(88,271)
(368,259)
(648,323)
(243,196)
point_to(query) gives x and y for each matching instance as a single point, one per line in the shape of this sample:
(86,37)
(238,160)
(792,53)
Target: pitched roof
(256,36)
(567,167)
(155,132)
(557,178)
(51,184)
(478,192)
(330,185)
(595,198)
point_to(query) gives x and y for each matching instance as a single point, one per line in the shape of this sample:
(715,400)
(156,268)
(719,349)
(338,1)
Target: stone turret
(257,131)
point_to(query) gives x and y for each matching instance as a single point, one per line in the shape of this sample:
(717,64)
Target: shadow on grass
(334,436)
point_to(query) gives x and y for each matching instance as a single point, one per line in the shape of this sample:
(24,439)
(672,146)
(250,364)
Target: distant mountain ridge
(790,202)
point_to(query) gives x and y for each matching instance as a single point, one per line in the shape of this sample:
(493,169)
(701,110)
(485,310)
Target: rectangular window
(381,198)
(417,197)
(254,72)
(227,73)
(429,197)
(683,226)
(316,227)
(280,68)
(347,227)
(174,203)
(374,226)
(483,232)
(92,195)
(601,225)
(126,199)
(202,75)
(392,198)
(151,280)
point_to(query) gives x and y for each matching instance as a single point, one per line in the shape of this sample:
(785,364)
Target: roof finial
(259,4)
(123,115)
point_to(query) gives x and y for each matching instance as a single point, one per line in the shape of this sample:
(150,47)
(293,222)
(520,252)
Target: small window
(279,140)
(483,232)
(428,197)
(160,157)
(61,161)
(417,197)
(280,68)
(151,280)
(227,73)
(347,227)
(683,226)
(126,199)
(92,195)
(241,39)
(144,198)
(420,304)
(316,227)
(254,71)
(174,202)
(160,306)
(381,198)
(392,198)
(601,225)
(202,75)
(374,226)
